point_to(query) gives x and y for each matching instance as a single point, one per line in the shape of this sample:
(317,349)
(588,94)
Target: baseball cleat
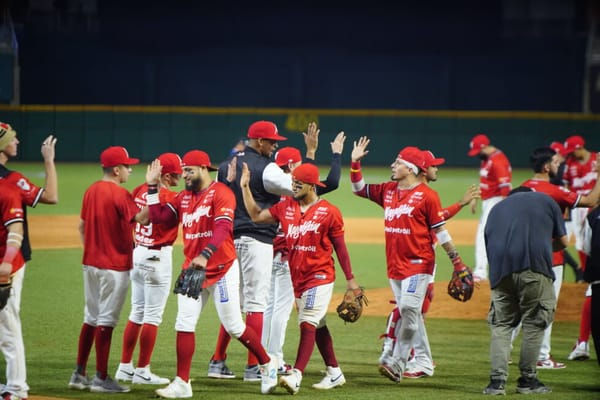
(268,375)
(79,382)
(291,382)
(550,364)
(178,389)
(145,377)
(333,378)
(391,371)
(219,370)
(107,385)
(580,352)
(125,372)
(252,373)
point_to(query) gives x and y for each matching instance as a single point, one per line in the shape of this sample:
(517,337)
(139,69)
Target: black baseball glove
(5,289)
(190,282)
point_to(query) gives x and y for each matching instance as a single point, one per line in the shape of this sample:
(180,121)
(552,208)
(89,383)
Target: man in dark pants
(520,258)
(591,245)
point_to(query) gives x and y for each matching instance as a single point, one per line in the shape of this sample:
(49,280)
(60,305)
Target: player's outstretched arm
(50,194)
(311,140)
(257,214)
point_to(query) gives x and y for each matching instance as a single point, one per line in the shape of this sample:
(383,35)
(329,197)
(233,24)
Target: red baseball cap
(573,142)
(414,156)
(477,143)
(264,130)
(171,163)
(287,155)
(558,147)
(116,155)
(307,173)
(197,158)
(430,160)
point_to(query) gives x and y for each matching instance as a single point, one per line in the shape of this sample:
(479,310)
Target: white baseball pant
(11,340)
(409,294)
(481,262)
(150,284)
(313,305)
(105,291)
(256,263)
(225,293)
(279,307)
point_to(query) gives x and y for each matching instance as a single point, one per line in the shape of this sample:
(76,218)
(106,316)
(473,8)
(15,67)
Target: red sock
(254,321)
(222,342)
(147,341)
(395,317)
(585,325)
(325,346)
(103,339)
(582,260)
(306,345)
(86,340)
(186,343)
(252,342)
(130,337)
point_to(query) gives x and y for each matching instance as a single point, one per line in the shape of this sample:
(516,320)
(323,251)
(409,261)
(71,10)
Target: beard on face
(483,157)
(194,185)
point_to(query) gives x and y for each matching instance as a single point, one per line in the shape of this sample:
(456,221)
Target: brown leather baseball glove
(351,307)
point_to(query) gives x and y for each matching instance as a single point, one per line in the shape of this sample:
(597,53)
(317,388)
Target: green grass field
(52,313)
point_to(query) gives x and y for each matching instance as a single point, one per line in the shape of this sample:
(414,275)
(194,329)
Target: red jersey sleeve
(30,193)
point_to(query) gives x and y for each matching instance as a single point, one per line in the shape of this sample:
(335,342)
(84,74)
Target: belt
(155,247)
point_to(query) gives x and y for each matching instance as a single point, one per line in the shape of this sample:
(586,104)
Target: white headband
(410,165)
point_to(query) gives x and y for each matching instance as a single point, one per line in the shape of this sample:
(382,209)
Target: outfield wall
(84,131)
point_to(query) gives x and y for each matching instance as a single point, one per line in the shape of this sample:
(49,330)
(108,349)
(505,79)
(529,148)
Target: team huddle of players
(264,238)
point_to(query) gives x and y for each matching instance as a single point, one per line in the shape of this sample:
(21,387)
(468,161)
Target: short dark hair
(539,157)
(520,189)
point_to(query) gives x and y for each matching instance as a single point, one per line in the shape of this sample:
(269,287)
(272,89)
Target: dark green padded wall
(84,131)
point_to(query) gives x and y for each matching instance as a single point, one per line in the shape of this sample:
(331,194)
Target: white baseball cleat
(125,372)
(178,389)
(581,352)
(291,382)
(268,376)
(145,377)
(333,378)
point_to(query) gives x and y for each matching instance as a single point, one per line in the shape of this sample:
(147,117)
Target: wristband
(10,254)
(152,198)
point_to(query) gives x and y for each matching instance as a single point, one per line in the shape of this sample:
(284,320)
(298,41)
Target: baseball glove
(461,284)
(350,309)
(5,289)
(190,282)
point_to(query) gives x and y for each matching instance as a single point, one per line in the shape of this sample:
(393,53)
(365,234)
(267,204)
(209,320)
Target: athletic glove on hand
(5,289)
(190,282)
(461,284)
(350,309)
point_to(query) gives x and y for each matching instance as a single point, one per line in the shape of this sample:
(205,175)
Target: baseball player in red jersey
(205,209)
(31,195)
(281,295)
(150,279)
(12,270)
(581,174)
(495,175)
(545,162)
(411,211)
(108,213)
(420,363)
(313,228)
